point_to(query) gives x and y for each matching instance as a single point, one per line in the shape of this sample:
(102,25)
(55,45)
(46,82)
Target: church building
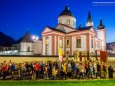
(66,36)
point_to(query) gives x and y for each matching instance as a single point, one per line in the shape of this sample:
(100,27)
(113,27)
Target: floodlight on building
(34,37)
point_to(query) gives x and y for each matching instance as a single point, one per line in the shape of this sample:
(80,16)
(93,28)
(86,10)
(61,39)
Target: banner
(96,55)
(103,56)
(61,56)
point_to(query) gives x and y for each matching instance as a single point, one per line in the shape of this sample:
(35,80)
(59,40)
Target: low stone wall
(27,59)
(30,59)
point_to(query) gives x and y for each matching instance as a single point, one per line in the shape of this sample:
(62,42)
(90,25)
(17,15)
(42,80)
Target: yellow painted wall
(27,59)
(30,59)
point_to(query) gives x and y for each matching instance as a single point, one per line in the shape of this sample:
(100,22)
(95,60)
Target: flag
(87,55)
(61,59)
(80,55)
(96,55)
(103,56)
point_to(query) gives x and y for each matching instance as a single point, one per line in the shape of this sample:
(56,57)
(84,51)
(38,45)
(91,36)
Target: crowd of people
(55,70)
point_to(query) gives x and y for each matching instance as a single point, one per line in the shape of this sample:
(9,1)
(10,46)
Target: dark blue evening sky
(19,16)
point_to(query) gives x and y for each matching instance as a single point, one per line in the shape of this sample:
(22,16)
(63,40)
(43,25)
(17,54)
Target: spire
(101,26)
(101,22)
(89,20)
(67,7)
(89,17)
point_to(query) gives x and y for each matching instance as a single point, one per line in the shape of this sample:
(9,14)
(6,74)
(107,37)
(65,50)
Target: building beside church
(24,46)
(66,36)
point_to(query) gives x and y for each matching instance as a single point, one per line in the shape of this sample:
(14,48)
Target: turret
(89,20)
(66,17)
(101,34)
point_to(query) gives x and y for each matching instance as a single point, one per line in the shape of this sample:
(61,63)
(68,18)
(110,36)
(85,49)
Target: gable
(64,28)
(59,27)
(46,30)
(92,29)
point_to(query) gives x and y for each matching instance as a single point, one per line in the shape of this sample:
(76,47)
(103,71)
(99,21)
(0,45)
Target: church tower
(89,20)
(101,34)
(67,18)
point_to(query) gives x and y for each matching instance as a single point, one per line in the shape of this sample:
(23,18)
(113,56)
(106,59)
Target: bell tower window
(92,42)
(60,21)
(73,23)
(68,21)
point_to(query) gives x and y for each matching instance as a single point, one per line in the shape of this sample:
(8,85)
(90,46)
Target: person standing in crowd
(49,69)
(4,70)
(32,67)
(64,71)
(46,71)
(69,70)
(86,68)
(20,71)
(37,67)
(27,67)
(104,70)
(33,75)
(74,69)
(54,73)
(1,65)
(110,71)
(77,68)
(81,71)
(12,67)
(98,70)
(94,68)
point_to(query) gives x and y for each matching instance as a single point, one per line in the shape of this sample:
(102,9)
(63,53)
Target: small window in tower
(73,23)
(91,42)
(68,21)
(60,21)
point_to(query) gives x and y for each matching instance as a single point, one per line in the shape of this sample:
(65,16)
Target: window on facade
(60,21)
(0,48)
(67,52)
(68,21)
(46,46)
(28,49)
(73,23)
(61,43)
(98,44)
(78,43)
(68,43)
(91,42)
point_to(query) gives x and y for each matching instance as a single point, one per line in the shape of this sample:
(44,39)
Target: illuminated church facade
(66,36)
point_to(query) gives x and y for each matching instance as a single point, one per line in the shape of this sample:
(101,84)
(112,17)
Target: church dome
(66,12)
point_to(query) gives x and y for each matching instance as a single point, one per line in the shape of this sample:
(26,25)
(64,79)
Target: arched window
(60,21)
(78,43)
(28,49)
(61,42)
(46,45)
(73,23)
(68,42)
(91,42)
(68,21)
